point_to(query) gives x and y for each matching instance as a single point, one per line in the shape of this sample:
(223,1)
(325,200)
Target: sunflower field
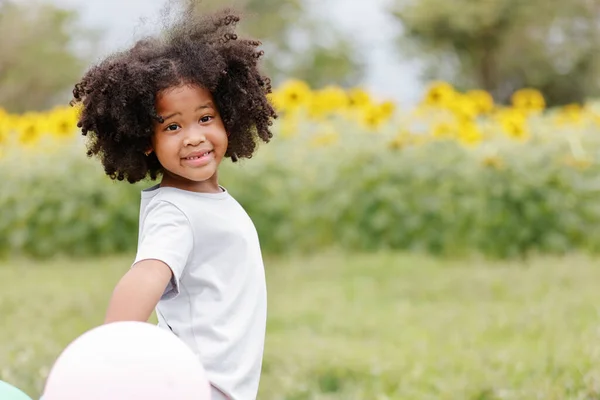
(457,174)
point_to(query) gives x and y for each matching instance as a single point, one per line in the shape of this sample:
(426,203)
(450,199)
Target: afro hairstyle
(117,96)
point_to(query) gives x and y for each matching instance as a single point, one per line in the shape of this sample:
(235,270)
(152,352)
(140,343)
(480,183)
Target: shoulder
(162,203)
(159,201)
(160,212)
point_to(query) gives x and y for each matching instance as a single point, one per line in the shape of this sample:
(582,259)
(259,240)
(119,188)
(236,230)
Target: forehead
(182,97)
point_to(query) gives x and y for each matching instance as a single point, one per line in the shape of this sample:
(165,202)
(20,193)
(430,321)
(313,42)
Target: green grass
(369,327)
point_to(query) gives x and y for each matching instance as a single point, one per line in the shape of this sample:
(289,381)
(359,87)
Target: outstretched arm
(138,292)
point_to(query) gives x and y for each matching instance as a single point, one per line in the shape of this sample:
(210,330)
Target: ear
(148,152)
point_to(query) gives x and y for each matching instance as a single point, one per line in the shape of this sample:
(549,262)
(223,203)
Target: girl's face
(191,142)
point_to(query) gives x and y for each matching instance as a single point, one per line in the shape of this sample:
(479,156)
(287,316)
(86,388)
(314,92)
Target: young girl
(176,106)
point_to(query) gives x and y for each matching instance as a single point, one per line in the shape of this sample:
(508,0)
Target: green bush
(358,194)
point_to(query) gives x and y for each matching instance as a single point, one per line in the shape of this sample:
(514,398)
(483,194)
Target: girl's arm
(138,292)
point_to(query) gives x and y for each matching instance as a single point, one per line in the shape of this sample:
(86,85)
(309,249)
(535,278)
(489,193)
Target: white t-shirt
(217,301)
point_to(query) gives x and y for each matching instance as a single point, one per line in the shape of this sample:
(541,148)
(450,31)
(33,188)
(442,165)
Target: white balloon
(127,361)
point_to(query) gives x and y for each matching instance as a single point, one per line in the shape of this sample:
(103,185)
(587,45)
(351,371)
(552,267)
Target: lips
(197,155)
(198,159)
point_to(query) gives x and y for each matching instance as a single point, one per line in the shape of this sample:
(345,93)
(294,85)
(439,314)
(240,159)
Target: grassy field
(351,327)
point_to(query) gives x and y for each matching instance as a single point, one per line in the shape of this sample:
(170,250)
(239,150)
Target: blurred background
(428,208)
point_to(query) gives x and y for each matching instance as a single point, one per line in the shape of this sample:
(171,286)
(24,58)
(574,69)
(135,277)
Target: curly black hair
(117,96)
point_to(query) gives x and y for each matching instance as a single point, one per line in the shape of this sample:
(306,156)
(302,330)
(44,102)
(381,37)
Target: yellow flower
(372,117)
(292,95)
(77,110)
(401,140)
(387,109)
(484,102)
(531,100)
(464,106)
(595,118)
(514,124)
(63,122)
(444,130)
(440,94)
(358,98)
(570,114)
(276,100)
(327,101)
(29,129)
(325,136)
(492,161)
(4,125)
(469,134)
(580,163)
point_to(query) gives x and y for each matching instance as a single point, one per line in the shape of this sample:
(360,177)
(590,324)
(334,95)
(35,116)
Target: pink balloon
(126,361)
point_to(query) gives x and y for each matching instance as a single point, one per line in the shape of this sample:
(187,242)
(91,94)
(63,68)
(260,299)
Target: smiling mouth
(198,156)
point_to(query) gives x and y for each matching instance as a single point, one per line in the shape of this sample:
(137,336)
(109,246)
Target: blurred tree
(297,43)
(42,53)
(503,45)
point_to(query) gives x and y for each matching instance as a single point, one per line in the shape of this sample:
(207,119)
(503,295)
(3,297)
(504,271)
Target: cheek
(224,143)
(165,147)
(221,139)
(158,142)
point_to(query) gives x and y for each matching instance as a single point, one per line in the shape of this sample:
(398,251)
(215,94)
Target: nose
(194,136)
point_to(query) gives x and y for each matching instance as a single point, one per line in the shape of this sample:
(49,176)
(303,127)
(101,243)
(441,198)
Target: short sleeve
(166,235)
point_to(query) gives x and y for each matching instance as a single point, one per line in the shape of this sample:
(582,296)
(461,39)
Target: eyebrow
(201,107)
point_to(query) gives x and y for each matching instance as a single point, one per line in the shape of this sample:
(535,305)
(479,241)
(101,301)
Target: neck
(210,185)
